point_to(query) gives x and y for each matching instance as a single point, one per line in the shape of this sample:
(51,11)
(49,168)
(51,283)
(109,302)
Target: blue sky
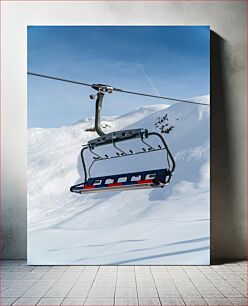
(166,60)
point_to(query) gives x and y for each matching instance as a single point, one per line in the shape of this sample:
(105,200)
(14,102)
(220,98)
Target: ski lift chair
(153,178)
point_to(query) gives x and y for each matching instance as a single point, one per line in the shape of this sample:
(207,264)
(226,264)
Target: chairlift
(153,178)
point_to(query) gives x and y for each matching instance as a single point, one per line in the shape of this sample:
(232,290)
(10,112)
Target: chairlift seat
(126,181)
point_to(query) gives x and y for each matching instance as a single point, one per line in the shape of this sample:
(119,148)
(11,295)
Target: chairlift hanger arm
(98,111)
(110,89)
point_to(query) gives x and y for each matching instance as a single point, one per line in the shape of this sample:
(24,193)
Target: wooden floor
(123,285)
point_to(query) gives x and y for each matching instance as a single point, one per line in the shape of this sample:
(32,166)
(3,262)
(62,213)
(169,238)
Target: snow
(151,226)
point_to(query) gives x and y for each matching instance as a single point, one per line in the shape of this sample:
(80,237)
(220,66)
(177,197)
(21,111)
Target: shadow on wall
(225,230)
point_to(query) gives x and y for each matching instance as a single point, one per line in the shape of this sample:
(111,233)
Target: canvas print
(118,145)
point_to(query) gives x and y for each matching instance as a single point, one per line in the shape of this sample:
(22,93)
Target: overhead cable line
(116,89)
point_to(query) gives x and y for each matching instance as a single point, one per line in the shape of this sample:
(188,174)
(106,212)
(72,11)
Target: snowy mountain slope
(153,226)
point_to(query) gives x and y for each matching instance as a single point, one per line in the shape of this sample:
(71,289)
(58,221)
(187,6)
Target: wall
(228,98)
